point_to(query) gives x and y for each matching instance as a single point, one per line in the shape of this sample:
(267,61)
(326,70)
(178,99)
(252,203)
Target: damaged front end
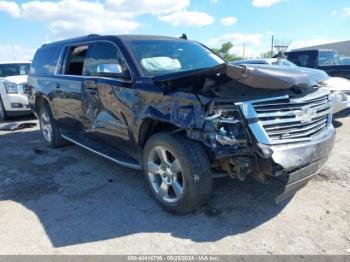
(262,121)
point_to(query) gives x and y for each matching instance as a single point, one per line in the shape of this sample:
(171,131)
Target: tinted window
(304,59)
(45,60)
(76,59)
(159,57)
(328,58)
(106,55)
(14,69)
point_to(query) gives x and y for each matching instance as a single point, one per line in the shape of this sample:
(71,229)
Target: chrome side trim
(137,167)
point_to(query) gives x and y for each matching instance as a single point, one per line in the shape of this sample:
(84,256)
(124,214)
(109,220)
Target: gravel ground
(69,201)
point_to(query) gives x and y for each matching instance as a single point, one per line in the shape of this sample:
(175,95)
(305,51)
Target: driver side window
(104,57)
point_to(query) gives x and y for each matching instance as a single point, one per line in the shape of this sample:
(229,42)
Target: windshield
(160,57)
(13,69)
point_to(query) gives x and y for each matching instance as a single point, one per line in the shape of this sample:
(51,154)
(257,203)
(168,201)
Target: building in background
(342,48)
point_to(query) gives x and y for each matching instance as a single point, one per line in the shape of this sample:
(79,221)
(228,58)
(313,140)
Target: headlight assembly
(11,88)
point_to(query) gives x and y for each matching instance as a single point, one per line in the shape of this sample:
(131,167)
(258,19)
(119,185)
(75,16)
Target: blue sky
(25,25)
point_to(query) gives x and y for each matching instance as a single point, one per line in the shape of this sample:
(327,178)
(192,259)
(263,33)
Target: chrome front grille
(286,120)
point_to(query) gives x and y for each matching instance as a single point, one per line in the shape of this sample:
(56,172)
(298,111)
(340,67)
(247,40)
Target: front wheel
(177,171)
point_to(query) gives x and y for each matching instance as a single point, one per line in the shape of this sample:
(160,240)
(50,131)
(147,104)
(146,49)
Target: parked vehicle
(265,61)
(339,87)
(13,89)
(326,60)
(176,110)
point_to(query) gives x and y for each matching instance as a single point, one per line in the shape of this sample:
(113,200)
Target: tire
(3,115)
(49,129)
(191,172)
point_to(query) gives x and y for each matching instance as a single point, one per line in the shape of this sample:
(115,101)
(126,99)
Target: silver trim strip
(138,167)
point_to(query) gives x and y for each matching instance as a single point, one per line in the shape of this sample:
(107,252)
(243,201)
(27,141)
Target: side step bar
(108,153)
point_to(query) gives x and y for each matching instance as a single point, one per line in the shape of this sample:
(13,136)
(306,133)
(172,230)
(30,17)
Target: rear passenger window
(75,61)
(106,54)
(45,60)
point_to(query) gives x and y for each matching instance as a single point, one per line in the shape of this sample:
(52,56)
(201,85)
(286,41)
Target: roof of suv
(93,37)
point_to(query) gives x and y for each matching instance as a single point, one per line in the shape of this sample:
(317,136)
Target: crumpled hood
(19,79)
(257,76)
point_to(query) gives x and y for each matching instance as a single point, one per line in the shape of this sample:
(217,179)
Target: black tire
(56,139)
(3,115)
(196,176)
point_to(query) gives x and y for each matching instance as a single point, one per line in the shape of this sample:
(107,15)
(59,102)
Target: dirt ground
(70,201)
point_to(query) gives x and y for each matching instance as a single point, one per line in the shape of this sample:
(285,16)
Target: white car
(338,86)
(14,89)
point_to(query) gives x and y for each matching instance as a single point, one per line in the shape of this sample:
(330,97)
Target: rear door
(68,85)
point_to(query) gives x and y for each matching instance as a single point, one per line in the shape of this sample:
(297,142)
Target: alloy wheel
(46,127)
(165,174)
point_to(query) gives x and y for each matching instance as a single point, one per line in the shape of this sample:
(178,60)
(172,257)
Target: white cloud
(346,11)
(264,3)
(334,12)
(236,39)
(10,7)
(67,18)
(131,8)
(228,21)
(15,52)
(189,18)
(249,44)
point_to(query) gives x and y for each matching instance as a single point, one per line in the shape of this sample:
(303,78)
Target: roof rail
(93,35)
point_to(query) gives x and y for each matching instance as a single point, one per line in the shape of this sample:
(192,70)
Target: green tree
(224,52)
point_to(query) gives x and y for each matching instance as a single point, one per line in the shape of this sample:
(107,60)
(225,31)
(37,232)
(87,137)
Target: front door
(102,109)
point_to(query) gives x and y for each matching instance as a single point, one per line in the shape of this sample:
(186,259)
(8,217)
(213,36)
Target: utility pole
(272,46)
(243,50)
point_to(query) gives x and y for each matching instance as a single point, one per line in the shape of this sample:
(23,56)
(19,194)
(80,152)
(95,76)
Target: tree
(224,52)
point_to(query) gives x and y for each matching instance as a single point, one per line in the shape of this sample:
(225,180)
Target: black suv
(177,111)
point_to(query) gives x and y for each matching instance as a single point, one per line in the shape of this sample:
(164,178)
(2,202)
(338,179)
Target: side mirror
(111,70)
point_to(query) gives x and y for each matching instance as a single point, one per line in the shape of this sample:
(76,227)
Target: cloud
(346,11)
(236,39)
(10,7)
(228,21)
(189,18)
(264,3)
(334,12)
(250,44)
(15,52)
(131,8)
(68,18)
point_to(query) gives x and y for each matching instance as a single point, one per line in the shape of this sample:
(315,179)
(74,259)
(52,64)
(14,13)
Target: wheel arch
(150,127)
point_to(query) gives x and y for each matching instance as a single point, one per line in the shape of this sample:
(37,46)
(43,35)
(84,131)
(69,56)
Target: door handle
(58,86)
(92,91)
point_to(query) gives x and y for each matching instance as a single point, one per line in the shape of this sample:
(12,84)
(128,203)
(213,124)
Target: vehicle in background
(265,61)
(344,60)
(323,59)
(339,86)
(14,89)
(176,110)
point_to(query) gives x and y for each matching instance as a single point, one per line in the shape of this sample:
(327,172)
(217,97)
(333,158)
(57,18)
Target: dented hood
(256,76)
